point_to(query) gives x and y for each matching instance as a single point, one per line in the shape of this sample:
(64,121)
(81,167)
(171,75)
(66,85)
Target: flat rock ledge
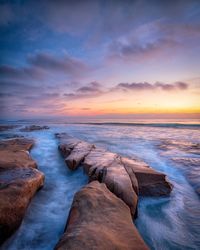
(19,181)
(98,220)
(126,178)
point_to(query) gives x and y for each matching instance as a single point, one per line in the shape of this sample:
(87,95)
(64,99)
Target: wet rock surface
(123,176)
(150,182)
(99,220)
(19,180)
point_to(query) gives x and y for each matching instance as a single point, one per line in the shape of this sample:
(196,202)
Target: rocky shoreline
(101,213)
(95,220)
(19,181)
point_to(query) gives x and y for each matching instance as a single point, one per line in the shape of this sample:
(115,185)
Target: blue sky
(68,58)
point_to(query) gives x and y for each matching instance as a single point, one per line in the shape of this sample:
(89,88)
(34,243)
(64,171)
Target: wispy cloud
(42,65)
(149,86)
(90,90)
(95,89)
(66,64)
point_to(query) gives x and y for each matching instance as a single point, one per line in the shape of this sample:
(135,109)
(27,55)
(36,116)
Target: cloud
(65,64)
(132,48)
(157,37)
(42,66)
(149,86)
(90,90)
(94,89)
(72,17)
(23,73)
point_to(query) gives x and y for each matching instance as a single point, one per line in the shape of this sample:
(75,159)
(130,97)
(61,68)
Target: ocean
(169,146)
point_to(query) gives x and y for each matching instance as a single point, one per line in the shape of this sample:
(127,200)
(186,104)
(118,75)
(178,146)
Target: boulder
(150,182)
(99,220)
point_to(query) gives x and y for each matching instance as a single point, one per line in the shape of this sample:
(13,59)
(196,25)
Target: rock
(10,159)
(99,220)
(67,143)
(19,180)
(7,127)
(77,154)
(14,153)
(106,167)
(150,182)
(16,144)
(33,128)
(17,187)
(13,136)
(126,178)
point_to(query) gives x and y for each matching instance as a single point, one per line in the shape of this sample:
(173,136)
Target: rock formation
(99,220)
(126,178)
(33,128)
(6,127)
(19,180)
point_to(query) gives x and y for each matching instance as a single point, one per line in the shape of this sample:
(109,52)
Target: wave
(168,125)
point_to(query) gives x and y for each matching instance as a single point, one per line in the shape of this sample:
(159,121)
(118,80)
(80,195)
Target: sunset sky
(100,58)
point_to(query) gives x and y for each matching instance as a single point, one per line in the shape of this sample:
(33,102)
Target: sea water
(164,223)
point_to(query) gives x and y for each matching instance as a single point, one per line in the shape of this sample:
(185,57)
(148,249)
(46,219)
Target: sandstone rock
(77,154)
(10,159)
(106,167)
(99,220)
(16,144)
(150,182)
(14,153)
(19,180)
(67,143)
(126,178)
(17,187)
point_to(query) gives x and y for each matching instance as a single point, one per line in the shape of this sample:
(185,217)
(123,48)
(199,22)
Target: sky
(138,58)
